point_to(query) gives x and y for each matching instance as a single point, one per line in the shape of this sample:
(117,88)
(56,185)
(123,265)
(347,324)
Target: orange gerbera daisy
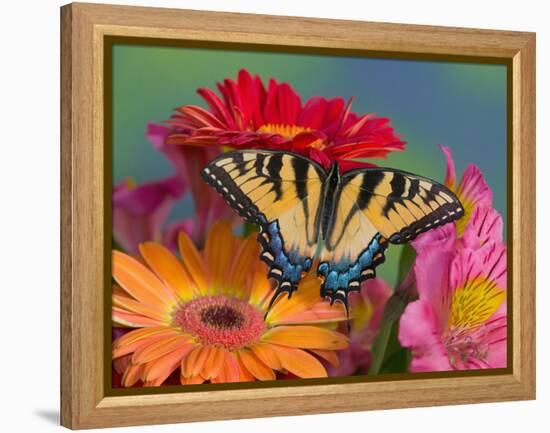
(206,316)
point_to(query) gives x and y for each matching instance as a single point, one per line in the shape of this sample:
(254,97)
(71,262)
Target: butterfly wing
(281,192)
(374,206)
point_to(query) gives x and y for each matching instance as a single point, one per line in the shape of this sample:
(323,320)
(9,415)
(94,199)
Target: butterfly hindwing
(280,192)
(376,206)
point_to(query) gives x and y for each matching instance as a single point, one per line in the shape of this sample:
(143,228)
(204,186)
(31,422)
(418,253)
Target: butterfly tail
(285,267)
(342,278)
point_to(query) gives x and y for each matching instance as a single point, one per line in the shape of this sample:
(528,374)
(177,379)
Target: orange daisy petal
(267,355)
(244,374)
(260,288)
(192,261)
(328,355)
(255,366)
(126,318)
(305,297)
(160,348)
(164,366)
(191,380)
(168,269)
(140,282)
(244,260)
(154,383)
(319,313)
(121,350)
(137,307)
(138,334)
(217,253)
(231,368)
(299,363)
(194,362)
(132,375)
(307,337)
(220,378)
(214,363)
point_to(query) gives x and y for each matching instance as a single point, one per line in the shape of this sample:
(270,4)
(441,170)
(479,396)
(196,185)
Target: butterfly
(344,220)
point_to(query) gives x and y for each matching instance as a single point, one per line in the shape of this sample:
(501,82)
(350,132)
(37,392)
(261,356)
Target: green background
(460,105)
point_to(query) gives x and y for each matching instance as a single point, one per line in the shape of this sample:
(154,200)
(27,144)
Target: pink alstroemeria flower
(140,212)
(188,161)
(366,309)
(459,321)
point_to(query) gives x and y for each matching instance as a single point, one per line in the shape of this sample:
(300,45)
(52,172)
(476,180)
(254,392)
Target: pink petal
(485,225)
(487,262)
(145,198)
(139,213)
(450,173)
(473,187)
(419,330)
(435,252)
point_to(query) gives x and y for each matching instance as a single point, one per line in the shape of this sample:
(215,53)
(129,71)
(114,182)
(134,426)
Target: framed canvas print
(310,215)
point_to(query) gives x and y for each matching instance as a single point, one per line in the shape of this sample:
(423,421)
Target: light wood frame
(83,401)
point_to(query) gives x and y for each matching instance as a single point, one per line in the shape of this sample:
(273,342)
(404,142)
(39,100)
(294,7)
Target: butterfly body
(343,220)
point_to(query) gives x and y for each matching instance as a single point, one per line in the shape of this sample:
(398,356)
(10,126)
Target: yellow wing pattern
(399,205)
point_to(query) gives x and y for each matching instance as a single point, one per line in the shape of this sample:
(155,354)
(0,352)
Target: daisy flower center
(287,131)
(221,321)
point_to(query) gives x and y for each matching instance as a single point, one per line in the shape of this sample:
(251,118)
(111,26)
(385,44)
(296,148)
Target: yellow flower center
(287,131)
(291,131)
(466,336)
(468,210)
(473,304)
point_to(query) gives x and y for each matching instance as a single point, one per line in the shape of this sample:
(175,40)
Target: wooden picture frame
(84,262)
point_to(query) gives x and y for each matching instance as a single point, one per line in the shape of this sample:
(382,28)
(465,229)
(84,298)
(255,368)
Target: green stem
(379,347)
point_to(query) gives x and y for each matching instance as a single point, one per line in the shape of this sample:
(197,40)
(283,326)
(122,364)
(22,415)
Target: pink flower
(249,115)
(459,321)
(188,161)
(140,212)
(366,309)
(472,190)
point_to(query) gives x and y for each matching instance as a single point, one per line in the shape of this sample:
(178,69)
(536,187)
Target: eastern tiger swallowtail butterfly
(344,220)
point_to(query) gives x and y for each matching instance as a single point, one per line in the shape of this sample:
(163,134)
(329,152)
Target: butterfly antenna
(346,306)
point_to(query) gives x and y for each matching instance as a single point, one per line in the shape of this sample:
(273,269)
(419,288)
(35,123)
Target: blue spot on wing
(345,276)
(285,266)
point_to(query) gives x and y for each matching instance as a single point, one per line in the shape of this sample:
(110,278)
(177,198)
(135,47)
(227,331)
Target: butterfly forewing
(280,192)
(399,204)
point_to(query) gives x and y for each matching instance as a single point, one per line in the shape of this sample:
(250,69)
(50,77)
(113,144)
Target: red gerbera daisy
(249,116)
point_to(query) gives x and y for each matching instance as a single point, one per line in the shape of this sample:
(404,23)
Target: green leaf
(386,345)
(396,359)
(379,348)
(406,261)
